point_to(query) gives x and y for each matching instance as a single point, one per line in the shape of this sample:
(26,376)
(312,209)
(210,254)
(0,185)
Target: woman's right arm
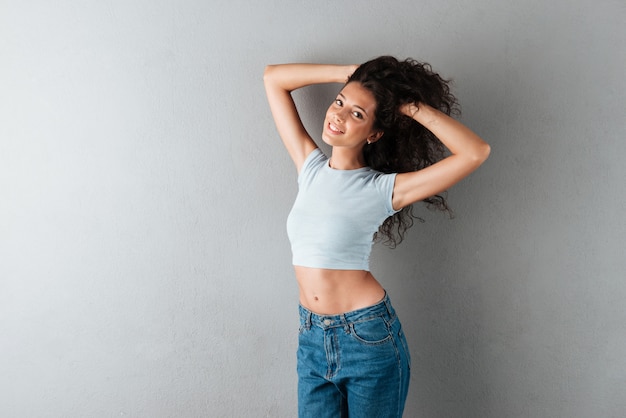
(280,81)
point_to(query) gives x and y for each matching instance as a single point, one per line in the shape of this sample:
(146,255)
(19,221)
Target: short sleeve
(385,184)
(313,162)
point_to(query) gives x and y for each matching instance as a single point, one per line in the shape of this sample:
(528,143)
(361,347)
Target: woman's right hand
(351,69)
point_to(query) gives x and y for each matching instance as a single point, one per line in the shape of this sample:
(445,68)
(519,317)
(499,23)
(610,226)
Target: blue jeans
(355,364)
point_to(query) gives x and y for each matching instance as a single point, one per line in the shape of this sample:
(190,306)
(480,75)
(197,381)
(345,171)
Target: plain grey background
(144,264)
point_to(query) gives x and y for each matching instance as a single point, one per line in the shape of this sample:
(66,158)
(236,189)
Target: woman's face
(350,118)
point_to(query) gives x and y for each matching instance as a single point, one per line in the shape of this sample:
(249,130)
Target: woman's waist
(381,309)
(328,292)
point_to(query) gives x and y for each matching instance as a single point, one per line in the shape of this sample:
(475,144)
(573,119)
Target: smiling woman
(388,128)
(349,119)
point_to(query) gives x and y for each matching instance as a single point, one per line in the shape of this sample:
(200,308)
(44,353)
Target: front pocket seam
(367,342)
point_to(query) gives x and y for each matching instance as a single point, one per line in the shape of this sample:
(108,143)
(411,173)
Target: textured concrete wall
(144,264)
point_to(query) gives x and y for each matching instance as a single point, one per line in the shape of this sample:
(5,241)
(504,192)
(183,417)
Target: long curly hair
(405,145)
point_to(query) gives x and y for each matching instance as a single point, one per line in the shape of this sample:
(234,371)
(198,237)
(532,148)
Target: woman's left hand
(410,109)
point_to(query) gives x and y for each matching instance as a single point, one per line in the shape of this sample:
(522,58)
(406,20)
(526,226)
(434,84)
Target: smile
(334,129)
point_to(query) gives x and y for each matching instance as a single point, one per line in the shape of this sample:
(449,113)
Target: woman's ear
(374,136)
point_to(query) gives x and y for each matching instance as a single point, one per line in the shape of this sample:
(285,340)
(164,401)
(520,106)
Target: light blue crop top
(336,213)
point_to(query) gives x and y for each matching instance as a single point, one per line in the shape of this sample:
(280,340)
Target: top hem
(333,267)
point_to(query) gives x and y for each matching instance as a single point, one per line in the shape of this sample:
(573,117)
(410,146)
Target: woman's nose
(339,115)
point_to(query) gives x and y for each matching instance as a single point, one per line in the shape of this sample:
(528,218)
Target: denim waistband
(381,309)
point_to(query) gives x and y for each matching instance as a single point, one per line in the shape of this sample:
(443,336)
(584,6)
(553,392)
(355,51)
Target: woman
(387,128)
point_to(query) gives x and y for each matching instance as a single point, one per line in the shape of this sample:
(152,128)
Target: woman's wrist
(349,70)
(342,73)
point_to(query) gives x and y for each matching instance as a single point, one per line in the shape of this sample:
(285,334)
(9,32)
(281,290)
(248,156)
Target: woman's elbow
(485,151)
(267,73)
(482,153)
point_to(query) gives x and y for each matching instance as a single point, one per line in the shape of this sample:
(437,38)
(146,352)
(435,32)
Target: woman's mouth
(334,129)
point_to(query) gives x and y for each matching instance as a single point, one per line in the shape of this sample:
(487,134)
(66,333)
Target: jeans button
(327,322)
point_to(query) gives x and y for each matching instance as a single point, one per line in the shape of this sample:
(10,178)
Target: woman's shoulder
(312,163)
(316,158)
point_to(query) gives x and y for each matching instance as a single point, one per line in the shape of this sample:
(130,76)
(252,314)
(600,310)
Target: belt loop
(390,310)
(346,326)
(307,323)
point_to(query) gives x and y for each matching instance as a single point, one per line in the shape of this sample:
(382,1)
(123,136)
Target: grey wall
(144,265)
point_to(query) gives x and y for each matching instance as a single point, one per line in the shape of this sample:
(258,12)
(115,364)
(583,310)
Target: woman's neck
(346,159)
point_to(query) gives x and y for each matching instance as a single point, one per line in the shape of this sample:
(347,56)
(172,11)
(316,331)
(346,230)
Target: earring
(369,142)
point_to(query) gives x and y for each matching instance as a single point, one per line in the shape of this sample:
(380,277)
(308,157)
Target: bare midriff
(332,292)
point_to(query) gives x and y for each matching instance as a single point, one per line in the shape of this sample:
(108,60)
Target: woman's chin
(327,140)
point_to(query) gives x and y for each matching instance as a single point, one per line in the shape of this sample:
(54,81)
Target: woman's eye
(357,115)
(338,102)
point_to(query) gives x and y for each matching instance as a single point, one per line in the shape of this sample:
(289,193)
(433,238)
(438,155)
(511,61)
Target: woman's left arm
(468,152)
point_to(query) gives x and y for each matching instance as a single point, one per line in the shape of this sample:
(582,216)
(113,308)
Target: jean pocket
(372,332)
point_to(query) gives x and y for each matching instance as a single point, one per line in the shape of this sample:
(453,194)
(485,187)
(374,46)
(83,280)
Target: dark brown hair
(405,145)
